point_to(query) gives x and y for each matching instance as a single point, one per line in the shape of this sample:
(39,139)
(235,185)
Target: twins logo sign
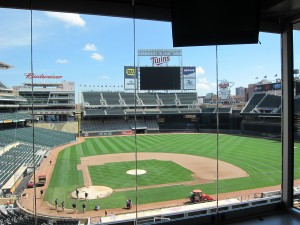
(159,60)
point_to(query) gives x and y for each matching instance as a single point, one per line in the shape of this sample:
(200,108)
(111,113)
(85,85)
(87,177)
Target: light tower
(224,92)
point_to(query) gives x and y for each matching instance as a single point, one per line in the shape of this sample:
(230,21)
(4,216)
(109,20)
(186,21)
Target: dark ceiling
(272,12)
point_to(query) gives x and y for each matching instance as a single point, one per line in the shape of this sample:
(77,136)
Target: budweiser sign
(42,76)
(159,60)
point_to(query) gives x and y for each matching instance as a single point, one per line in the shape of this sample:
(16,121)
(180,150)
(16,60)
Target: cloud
(200,70)
(62,61)
(204,86)
(70,19)
(259,67)
(97,57)
(90,47)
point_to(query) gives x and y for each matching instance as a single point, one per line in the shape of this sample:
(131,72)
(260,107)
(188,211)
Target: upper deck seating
(148,98)
(92,98)
(111,98)
(187,98)
(128,98)
(270,101)
(167,98)
(256,99)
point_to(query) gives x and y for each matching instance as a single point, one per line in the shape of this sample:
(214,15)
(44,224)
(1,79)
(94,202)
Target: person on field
(77,193)
(74,207)
(83,207)
(128,203)
(56,204)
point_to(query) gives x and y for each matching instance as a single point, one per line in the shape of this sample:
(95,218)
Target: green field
(260,158)
(158,172)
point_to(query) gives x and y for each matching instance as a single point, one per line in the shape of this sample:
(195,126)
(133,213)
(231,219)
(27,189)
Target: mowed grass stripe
(97,148)
(271,161)
(107,146)
(117,146)
(102,148)
(87,148)
(66,164)
(127,143)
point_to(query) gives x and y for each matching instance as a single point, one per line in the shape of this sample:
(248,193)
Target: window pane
(249,120)
(179,157)
(296,35)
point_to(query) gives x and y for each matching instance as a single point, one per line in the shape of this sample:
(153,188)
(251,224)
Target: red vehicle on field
(197,196)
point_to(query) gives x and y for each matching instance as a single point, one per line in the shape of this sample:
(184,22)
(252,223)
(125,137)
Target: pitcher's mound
(136,172)
(93,192)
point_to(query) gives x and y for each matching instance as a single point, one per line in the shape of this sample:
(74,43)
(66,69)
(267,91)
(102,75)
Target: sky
(93,50)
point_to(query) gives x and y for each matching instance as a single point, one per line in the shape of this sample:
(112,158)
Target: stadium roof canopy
(269,13)
(5,66)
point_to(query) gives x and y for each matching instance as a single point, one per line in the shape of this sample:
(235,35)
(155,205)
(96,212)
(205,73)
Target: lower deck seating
(17,217)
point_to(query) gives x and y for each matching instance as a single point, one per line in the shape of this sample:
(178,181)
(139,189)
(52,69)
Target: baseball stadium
(164,155)
(146,147)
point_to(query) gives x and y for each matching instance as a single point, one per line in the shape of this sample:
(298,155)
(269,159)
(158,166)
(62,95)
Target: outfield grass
(260,158)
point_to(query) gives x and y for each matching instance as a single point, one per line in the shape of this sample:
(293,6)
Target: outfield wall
(70,127)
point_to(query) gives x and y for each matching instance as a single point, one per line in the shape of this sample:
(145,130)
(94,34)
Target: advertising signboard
(189,77)
(129,75)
